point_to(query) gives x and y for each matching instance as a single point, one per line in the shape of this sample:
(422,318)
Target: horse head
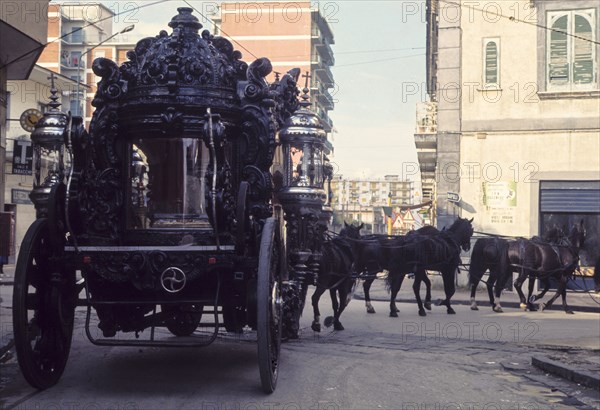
(463,231)
(351,231)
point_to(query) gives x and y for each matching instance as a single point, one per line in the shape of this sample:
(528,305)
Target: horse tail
(477,266)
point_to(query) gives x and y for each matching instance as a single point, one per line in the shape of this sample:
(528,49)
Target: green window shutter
(491,63)
(558,65)
(583,63)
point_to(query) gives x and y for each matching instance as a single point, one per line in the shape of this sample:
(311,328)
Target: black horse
(335,275)
(378,260)
(489,254)
(492,254)
(542,260)
(433,251)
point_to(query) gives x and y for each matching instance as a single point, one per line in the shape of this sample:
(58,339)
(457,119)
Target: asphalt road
(471,360)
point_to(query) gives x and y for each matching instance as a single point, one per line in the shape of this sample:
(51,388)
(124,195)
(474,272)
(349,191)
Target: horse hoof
(451,311)
(523,306)
(328,321)
(497,309)
(532,299)
(474,308)
(422,312)
(531,308)
(427,305)
(543,307)
(393,313)
(338,326)
(316,327)
(569,312)
(370,309)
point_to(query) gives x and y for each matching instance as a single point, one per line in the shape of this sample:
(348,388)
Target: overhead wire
(517,20)
(210,21)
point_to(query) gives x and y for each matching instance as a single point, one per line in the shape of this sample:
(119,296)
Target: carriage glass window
(167,184)
(305,161)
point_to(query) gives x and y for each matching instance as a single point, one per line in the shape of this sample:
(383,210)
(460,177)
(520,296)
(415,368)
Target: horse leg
(366,288)
(395,280)
(449,288)
(417,289)
(495,287)
(427,283)
(518,283)
(473,283)
(530,306)
(343,292)
(562,287)
(568,311)
(546,283)
(316,325)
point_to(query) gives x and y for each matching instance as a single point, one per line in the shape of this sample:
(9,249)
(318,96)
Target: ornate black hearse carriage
(168,213)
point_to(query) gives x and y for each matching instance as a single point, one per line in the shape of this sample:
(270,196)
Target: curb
(566,372)
(484,304)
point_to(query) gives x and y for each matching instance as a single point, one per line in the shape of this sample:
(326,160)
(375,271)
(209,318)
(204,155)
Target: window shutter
(583,63)
(491,63)
(559,53)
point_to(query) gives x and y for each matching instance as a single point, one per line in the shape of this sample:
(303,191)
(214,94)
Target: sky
(379,77)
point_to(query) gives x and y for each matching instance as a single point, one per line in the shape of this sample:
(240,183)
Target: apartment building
(289,34)
(371,200)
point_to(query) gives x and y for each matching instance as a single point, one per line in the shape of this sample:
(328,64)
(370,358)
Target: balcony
(321,23)
(326,120)
(325,99)
(324,73)
(426,141)
(325,52)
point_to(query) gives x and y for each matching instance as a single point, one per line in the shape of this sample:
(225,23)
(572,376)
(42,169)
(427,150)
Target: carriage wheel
(43,309)
(183,321)
(269,306)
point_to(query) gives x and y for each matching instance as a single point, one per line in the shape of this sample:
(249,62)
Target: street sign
(453,197)
(20,196)
(22,157)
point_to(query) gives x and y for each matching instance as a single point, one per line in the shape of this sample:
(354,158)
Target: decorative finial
(305,97)
(276,75)
(54,104)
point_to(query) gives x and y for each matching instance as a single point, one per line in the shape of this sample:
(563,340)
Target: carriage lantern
(303,195)
(48,139)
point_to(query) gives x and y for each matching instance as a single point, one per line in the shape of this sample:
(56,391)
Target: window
(491,61)
(570,55)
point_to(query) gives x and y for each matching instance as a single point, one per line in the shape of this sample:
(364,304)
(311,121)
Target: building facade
(517,97)
(23,28)
(289,34)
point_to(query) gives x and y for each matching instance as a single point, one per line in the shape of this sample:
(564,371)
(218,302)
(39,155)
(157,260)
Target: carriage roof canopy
(171,79)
